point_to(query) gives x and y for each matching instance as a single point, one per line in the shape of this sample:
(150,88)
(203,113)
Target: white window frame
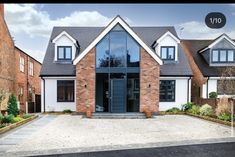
(31,68)
(21,64)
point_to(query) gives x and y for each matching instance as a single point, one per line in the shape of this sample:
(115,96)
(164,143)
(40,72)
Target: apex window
(64,52)
(65,90)
(168,52)
(167,90)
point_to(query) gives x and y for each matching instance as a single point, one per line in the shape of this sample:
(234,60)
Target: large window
(168,52)
(65,90)
(223,56)
(64,53)
(167,90)
(21,64)
(31,68)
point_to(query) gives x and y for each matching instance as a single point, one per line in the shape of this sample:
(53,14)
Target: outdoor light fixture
(149,85)
(85,85)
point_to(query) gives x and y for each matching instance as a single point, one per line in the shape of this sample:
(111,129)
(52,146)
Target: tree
(226,85)
(12,106)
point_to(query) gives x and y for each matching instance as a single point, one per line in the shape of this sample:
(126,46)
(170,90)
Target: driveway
(53,134)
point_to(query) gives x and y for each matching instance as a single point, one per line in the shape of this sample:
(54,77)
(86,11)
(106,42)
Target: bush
(12,106)
(213,95)
(25,116)
(8,119)
(187,106)
(1,118)
(206,110)
(17,119)
(67,111)
(174,110)
(225,117)
(195,109)
(223,106)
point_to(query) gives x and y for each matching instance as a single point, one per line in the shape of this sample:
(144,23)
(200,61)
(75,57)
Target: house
(117,68)
(27,81)
(208,59)
(19,73)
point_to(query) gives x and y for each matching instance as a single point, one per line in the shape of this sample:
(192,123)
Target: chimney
(2,9)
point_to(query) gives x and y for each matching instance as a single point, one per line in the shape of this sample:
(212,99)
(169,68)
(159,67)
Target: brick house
(208,58)
(117,69)
(16,69)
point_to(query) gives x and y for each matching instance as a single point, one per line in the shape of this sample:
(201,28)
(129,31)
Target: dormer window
(168,52)
(223,56)
(64,53)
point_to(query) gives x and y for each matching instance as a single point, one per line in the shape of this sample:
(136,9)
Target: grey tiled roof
(85,35)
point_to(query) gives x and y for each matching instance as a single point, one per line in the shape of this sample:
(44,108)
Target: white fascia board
(107,29)
(170,34)
(219,78)
(173,78)
(62,77)
(66,34)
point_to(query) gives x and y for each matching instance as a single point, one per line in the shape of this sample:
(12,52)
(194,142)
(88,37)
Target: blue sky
(31,24)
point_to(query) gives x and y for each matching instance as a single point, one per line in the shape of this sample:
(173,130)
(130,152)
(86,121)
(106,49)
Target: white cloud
(199,30)
(25,18)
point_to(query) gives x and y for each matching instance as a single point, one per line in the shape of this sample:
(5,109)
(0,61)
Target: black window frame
(166,90)
(73,100)
(167,52)
(64,48)
(226,56)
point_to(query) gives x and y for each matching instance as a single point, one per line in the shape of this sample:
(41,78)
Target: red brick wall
(149,75)
(85,76)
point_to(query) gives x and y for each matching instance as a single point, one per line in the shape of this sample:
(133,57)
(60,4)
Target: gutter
(44,95)
(188,89)
(207,87)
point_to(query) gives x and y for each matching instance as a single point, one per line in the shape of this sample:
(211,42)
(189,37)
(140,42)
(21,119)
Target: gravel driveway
(67,131)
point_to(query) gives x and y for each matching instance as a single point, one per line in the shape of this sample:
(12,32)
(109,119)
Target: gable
(223,44)
(125,26)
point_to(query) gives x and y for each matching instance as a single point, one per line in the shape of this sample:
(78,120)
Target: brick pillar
(2,9)
(149,82)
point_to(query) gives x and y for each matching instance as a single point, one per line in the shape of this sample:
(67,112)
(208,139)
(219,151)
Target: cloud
(25,18)
(199,30)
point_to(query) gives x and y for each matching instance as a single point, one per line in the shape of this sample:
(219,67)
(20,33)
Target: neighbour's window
(167,90)
(65,90)
(31,68)
(21,64)
(20,94)
(168,52)
(64,53)
(223,56)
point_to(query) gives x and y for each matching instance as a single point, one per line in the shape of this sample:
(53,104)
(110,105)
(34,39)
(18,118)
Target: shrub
(187,106)
(225,117)
(213,95)
(12,106)
(25,116)
(8,119)
(17,119)
(206,110)
(174,110)
(223,106)
(67,111)
(195,109)
(1,118)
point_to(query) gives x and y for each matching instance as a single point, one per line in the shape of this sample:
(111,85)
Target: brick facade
(85,83)
(149,82)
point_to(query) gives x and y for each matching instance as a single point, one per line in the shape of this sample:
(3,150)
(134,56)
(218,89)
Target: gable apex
(66,34)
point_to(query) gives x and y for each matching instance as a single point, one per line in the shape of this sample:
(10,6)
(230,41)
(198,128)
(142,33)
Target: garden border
(14,125)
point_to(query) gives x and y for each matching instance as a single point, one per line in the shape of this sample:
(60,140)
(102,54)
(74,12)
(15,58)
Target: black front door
(118,99)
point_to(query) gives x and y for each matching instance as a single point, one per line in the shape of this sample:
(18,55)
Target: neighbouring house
(117,68)
(27,81)
(19,73)
(208,59)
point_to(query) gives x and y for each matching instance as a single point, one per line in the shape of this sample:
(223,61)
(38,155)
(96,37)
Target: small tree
(12,106)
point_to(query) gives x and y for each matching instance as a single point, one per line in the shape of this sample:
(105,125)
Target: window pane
(68,53)
(164,53)
(230,55)
(222,55)
(171,53)
(117,49)
(167,90)
(133,52)
(102,53)
(61,53)
(65,91)
(215,55)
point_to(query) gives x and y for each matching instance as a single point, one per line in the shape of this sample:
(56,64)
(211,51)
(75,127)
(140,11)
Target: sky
(31,25)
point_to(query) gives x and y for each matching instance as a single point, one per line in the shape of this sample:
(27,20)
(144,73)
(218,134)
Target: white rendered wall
(181,93)
(51,103)
(65,41)
(167,41)
(212,87)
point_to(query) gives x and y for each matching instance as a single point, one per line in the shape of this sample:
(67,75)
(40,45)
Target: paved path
(10,140)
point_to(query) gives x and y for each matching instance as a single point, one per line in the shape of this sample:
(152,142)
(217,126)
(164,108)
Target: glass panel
(68,53)
(167,90)
(117,49)
(102,52)
(65,91)
(133,52)
(215,55)
(164,53)
(102,92)
(222,55)
(171,53)
(133,92)
(230,55)
(61,53)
